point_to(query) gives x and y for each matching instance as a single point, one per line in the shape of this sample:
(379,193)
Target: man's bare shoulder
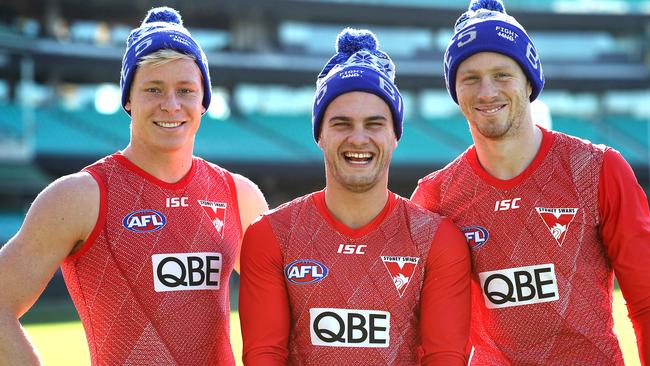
(245,185)
(250,198)
(80,182)
(70,203)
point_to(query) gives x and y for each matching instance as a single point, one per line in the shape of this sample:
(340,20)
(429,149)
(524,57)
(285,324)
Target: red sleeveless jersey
(542,289)
(375,299)
(151,282)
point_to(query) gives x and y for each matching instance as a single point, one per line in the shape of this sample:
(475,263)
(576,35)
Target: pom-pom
(494,5)
(351,40)
(163,14)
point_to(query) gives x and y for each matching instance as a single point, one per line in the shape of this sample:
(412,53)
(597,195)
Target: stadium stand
(231,140)
(427,142)
(10,121)
(287,139)
(294,131)
(634,131)
(57,134)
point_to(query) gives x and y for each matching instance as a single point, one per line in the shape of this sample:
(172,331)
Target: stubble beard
(356,183)
(512,125)
(495,131)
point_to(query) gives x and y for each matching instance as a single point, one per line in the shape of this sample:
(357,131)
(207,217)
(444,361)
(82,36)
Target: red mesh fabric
(355,281)
(112,280)
(575,329)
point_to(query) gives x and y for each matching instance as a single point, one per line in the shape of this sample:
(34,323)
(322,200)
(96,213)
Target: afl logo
(305,271)
(144,221)
(476,236)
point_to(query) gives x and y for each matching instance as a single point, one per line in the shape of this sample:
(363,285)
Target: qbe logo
(186,271)
(519,286)
(349,328)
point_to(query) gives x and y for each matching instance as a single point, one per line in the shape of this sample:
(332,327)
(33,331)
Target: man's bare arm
(58,222)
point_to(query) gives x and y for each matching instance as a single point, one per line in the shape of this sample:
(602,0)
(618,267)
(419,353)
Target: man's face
(166,106)
(493,94)
(357,139)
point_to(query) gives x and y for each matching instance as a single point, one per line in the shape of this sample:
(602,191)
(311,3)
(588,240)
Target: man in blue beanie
(146,237)
(355,274)
(549,218)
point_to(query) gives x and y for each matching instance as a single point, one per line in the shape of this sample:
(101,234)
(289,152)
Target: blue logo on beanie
(162,28)
(486,27)
(358,65)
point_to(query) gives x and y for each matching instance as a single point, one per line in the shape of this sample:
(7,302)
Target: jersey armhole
(101,218)
(233,189)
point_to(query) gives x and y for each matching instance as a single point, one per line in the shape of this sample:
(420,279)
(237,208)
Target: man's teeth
(361,158)
(493,110)
(169,124)
(355,155)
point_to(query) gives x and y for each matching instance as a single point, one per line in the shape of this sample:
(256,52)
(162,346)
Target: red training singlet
(542,289)
(359,289)
(151,282)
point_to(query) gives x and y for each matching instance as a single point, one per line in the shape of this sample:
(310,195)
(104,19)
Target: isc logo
(476,236)
(144,221)
(519,286)
(352,249)
(176,202)
(505,205)
(305,271)
(349,328)
(186,271)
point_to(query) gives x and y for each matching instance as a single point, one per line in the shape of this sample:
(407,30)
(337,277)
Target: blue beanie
(357,66)
(162,28)
(486,27)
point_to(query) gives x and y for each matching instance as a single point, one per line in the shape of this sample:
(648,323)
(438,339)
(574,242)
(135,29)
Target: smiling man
(147,237)
(549,218)
(354,274)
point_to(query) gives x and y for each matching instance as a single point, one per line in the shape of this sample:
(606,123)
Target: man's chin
(494,132)
(360,186)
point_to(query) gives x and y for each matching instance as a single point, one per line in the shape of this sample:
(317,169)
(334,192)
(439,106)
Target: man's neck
(355,210)
(169,167)
(507,158)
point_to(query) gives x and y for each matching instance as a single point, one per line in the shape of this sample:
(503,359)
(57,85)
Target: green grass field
(64,343)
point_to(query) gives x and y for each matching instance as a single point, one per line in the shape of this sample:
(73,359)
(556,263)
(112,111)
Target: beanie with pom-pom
(486,27)
(162,28)
(358,65)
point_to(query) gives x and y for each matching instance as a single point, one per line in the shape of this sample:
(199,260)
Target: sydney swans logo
(557,221)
